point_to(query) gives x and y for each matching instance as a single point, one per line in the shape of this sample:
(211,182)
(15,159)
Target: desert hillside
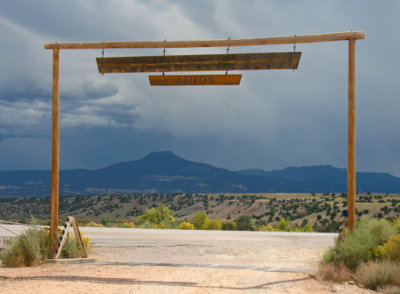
(324,211)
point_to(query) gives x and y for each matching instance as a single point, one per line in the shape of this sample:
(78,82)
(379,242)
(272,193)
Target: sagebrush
(358,246)
(371,253)
(31,248)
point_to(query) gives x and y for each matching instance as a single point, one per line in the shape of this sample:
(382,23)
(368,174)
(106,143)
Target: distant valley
(164,172)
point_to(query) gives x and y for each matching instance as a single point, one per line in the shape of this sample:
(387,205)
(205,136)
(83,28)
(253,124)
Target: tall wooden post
(351,141)
(55,156)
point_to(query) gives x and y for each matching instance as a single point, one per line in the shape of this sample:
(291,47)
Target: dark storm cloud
(24,89)
(125,143)
(92,91)
(273,120)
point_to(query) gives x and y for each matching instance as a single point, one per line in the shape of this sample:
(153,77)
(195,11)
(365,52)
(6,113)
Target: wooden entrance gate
(351,37)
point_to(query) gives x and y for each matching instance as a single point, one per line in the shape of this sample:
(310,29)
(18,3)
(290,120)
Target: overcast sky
(273,120)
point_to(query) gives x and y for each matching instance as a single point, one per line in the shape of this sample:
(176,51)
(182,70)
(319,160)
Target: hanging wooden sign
(207,62)
(195,80)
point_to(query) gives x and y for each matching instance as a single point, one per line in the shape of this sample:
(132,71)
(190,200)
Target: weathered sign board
(195,80)
(205,62)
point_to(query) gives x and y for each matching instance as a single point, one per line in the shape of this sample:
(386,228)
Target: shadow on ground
(140,282)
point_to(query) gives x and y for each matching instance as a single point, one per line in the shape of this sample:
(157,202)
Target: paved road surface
(235,248)
(207,248)
(177,261)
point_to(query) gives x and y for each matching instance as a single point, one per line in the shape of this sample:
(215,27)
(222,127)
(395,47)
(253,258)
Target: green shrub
(200,220)
(147,225)
(186,226)
(27,249)
(229,226)
(390,250)
(245,223)
(268,228)
(284,224)
(330,256)
(357,247)
(396,224)
(167,224)
(375,274)
(70,248)
(213,224)
(127,225)
(307,228)
(31,248)
(105,221)
(382,229)
(160,217)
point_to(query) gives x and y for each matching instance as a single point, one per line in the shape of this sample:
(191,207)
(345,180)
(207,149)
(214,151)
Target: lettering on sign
(195,80)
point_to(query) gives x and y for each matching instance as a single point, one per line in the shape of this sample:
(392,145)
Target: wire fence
(15,223)
(11,230)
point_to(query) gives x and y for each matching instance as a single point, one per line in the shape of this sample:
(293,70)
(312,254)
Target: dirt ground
(157,279)
(177,261)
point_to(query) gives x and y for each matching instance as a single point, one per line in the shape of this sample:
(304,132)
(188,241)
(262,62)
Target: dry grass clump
(379,273)
(95,225)
(335,273)
(390,289)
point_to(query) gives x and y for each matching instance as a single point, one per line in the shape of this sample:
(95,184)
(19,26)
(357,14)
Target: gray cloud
(272,120)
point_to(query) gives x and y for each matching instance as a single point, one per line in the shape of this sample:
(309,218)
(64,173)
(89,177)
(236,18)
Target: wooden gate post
(55,155)
(351,141)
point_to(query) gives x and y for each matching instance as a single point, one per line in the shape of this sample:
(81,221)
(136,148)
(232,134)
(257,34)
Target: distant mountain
(164,172)
(329,175)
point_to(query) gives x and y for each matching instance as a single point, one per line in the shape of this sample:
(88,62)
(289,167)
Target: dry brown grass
(375,274)
(335,273)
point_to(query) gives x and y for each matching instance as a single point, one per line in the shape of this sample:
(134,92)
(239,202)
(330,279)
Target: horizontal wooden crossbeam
(195,80)
(212,43)
(206,62)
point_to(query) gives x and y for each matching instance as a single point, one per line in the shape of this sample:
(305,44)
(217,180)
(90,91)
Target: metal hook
(102,56)
(227,52)
(165,40)
(294,46)
(227,49)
